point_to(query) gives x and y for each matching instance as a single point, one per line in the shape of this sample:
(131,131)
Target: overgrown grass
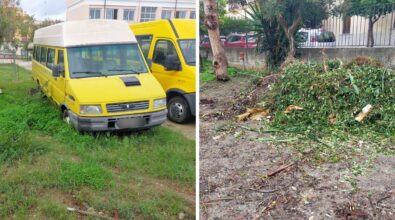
(47,166)
(331,100)
(207,72)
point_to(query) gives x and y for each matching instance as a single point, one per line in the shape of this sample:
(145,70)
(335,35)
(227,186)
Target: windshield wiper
(89,72)
(96,73)
(124,69)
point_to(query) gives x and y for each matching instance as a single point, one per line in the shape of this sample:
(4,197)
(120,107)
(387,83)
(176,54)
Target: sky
(42,9)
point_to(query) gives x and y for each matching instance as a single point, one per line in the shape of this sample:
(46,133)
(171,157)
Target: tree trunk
(220,63)
(290,32)
(370,42)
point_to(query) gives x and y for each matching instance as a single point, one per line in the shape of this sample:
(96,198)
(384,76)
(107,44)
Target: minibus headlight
(90,109)
(159,103)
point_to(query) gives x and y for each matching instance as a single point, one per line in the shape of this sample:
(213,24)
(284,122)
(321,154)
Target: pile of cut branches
(331,98)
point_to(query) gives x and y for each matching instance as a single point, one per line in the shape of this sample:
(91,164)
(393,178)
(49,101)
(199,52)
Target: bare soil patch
(243,177)
(188,130)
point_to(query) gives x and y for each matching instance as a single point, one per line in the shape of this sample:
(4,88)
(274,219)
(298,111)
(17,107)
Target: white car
(317,38)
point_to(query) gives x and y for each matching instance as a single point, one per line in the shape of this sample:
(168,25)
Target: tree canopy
(15,26)
(372,10)
(367,8)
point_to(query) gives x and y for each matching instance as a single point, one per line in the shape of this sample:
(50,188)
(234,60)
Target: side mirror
(173,63)
(57,70)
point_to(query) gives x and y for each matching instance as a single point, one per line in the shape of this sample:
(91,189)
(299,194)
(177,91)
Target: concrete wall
(255,60)
(385,55)
(252,59)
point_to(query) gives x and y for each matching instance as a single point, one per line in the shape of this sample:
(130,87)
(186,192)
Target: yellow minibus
(95,72)
(170,48)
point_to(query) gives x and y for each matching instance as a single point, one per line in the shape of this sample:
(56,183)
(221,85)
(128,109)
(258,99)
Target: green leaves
(339,94)
(353,83)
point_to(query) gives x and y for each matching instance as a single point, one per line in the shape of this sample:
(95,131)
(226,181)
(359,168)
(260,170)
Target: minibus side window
(145,44)
(163,49)
(34,52)
(38,52)
(60,57)
(50,57)
(43,58)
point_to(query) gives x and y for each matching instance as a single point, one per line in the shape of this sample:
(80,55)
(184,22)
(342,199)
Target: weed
(353,182)
(75,175)
(207,73)
(224,127)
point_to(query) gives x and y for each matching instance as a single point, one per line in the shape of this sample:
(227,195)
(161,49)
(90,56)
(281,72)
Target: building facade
(130,10)
(10,3)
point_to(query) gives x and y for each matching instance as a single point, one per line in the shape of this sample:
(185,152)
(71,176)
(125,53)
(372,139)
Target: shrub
(363,60)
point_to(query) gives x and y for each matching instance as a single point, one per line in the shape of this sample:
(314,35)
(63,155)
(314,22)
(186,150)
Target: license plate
(130,123)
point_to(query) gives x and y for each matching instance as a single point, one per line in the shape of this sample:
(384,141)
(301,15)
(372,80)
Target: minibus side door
(167,77)
(59,83)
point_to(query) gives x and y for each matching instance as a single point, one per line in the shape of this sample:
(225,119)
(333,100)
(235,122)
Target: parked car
(205,42)
(317,38)
(239,41)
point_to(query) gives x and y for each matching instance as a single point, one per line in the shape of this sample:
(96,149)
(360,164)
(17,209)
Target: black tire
(178,110)
(66,117)
(67,120)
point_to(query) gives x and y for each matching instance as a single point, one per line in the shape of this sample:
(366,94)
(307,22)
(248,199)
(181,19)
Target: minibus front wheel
(66,117)
(178,110)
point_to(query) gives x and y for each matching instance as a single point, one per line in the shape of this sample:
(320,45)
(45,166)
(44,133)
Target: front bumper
(191,99)
(123,122)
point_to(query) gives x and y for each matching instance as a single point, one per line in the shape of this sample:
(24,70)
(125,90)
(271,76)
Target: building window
(148,14)
(346,25)
(94,13)
(181,14)
(192,15)
(166,14)
(128,15)
(112,14)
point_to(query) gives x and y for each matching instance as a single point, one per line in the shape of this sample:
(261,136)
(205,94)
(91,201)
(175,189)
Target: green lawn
(46,166)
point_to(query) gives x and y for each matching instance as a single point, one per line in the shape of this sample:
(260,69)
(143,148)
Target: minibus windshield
(188,48)
(105,60)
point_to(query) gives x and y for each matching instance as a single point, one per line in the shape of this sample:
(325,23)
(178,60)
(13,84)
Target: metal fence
(351,29)
(7,57)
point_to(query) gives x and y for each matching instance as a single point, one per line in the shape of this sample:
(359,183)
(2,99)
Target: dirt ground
(238,178)
(188,129)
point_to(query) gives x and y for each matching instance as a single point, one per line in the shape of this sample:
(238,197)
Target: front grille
(127,106)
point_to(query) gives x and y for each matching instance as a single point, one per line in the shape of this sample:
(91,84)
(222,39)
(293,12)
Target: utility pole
(175,9)
(105,5)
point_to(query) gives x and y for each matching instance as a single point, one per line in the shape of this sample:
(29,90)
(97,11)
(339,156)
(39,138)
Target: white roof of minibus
(86,32)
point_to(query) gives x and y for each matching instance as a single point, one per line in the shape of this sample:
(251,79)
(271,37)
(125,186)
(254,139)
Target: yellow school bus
(169,47)
(95,72)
